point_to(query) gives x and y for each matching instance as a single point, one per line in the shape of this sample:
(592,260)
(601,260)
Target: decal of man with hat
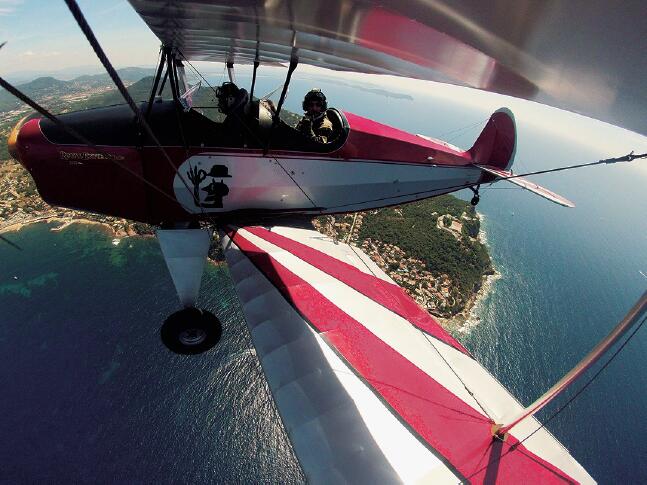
(216,190)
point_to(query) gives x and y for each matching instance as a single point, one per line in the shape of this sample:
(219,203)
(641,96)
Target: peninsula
(430,248)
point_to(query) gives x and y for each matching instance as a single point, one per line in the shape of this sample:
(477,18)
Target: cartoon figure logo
(215,190)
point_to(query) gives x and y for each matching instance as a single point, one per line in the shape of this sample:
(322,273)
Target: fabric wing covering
(584,56)
(369,387)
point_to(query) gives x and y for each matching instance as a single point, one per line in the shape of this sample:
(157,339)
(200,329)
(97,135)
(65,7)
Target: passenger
(315,124)
(233,102)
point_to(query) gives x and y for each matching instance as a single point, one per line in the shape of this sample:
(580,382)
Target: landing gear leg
(190,330)
(475,200)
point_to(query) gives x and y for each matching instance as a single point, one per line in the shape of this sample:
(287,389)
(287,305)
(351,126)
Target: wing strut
(251,90)
(158,75)
(294,62)
(636,315)
(256,62)
(230,72)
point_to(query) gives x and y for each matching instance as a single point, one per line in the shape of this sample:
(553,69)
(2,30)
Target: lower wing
(368,385)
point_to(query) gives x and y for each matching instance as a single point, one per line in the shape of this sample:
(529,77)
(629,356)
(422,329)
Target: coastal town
(435,291)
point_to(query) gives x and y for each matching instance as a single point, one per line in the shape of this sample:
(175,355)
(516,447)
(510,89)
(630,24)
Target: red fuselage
(131,177)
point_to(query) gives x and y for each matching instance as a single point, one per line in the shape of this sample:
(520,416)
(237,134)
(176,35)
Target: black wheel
(475,200)
(191,331)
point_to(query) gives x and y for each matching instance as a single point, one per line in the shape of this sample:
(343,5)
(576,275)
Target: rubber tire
(190,318)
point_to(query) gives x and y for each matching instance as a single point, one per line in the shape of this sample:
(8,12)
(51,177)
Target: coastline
(117,233)
(461,322)
(17,226)
(65,222)
(467,319)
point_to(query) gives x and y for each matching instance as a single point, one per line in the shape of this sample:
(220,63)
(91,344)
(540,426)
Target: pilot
(233,102)
(315,124)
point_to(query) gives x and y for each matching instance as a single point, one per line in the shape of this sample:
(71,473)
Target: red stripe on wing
(387,294)
(445,422)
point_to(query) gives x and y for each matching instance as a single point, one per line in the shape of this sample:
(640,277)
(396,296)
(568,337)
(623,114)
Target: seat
(337,124)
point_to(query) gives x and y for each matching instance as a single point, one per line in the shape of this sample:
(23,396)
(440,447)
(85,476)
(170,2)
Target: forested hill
(416,229)
(49,88)
(431,248)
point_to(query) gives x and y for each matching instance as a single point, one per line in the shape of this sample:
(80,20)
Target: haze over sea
(90,394)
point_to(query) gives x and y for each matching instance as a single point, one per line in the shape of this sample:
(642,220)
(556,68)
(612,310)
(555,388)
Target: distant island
(431,248)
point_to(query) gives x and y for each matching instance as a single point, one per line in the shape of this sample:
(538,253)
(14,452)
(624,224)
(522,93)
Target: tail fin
(497,143)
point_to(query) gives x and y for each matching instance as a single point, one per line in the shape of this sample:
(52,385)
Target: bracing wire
(564,406)
(255,136)
(75,134)
(10,243)
(98,50)
(630,157)
(462,131)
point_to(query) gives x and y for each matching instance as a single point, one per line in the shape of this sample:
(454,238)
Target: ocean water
(90,394)
(567,278)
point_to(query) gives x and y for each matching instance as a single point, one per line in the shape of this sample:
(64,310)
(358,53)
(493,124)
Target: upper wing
(585,56)
(368,385)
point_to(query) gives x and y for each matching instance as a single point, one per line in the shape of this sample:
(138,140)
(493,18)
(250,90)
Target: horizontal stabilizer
(528,185)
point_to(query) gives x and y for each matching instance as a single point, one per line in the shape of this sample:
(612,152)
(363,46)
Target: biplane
(368,385)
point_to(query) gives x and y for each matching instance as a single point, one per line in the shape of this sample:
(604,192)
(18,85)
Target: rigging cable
(565,405)
(75,134)
(472,125)
(630,157)
(255,136)
(381,282)
(10,243)
(87,31)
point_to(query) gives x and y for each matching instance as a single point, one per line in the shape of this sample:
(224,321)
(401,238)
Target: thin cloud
(111,8)
(7,7)
(41,54)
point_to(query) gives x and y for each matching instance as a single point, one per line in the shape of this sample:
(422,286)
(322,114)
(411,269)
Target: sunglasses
(314,103)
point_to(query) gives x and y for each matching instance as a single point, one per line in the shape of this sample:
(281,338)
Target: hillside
(430,248)
(94,91)
(48,88)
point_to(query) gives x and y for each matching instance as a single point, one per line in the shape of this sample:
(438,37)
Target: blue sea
(89,394)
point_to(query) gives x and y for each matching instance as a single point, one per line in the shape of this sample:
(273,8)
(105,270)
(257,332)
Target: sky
(42,35)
